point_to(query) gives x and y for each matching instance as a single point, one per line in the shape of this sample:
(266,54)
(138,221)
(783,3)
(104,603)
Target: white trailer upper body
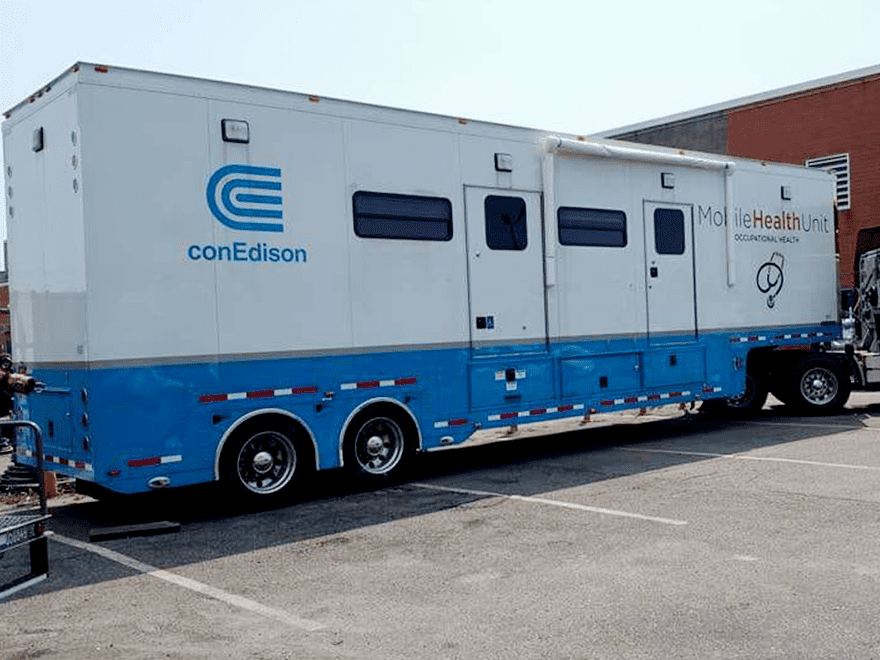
(220,281)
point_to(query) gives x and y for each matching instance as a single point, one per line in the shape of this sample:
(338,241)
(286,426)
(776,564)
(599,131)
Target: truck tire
(742,406)
(265,461)
(819,386)
(379,444)
(750,401)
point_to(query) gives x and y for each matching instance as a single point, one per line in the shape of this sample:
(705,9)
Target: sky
(559,65)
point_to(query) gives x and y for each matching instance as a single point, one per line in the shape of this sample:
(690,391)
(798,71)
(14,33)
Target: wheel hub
(819,386)
(378,445)
(263,462)
(266,462)
(375,445)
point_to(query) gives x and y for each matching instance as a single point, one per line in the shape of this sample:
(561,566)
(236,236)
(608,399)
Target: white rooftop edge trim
(810,85)
(559,144)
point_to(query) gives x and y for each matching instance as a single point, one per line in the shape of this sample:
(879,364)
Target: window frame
(515,232)
(399,219)
(682,234)
(617,214)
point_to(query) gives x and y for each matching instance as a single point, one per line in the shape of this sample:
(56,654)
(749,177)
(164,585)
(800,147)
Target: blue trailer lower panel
(122,425)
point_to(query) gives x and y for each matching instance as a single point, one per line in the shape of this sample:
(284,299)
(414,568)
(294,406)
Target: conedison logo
(228,198)
(237,194)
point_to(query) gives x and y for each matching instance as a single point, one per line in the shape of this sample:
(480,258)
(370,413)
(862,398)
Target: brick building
(833,123)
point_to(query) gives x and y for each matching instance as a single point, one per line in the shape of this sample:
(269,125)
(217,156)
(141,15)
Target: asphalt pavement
(661,536)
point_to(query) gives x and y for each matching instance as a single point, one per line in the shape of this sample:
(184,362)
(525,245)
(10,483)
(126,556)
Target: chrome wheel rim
(266,462)
(378,445)
(819,386)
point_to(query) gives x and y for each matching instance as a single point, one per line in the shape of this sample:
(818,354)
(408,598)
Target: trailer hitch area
(15,381)
(18,383)
(21,383)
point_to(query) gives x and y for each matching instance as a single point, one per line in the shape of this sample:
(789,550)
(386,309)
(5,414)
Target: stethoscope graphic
(769,278)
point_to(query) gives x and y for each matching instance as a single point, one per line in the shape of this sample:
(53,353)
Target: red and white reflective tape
(451,422)
(58,460)
(645,398)
(154,460)
(258,394)
(708,389)
(803,335)
(370,384)
(750,338)
(534,412)
(793,335)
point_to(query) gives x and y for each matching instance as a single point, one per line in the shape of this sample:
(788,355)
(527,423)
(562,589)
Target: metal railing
(27,528)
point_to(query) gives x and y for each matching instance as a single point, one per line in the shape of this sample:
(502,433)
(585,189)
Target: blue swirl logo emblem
(235,207)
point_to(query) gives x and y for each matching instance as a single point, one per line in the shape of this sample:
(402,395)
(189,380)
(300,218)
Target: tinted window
(597,227)
(506,223)
(669,231)
(384,215)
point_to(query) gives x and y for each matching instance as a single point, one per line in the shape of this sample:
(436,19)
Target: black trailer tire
(750,401)
(743,406)
(380,442)
(819,386)
(266,461)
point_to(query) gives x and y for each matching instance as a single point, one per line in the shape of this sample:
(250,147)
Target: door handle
(654,271)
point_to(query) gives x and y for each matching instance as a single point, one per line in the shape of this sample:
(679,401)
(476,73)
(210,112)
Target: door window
(506,223)
(669,231)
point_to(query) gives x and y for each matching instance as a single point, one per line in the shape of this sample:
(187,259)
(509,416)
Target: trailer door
(505,270)
(669,272)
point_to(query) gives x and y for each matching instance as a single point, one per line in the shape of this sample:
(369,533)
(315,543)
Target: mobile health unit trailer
(215,281)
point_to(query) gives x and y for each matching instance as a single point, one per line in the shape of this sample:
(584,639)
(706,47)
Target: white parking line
(745,457)
(192,585)
(565,505)
(805,425)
